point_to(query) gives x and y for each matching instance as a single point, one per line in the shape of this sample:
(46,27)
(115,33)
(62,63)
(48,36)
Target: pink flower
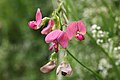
(47,29)
(76,29)
(48,67)
(57,37)
(36,24)
(64,69)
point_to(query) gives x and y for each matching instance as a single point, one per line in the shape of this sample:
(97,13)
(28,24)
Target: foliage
(22,52)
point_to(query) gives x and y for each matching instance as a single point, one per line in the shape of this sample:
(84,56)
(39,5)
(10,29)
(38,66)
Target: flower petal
(48,67)
(47,29)
(63,39)
(32,24)
(58,69)
(38,16)
(81,27)
(51,47)
(64,69)
(52,36)
(71,30)
(80,37)
(67,69)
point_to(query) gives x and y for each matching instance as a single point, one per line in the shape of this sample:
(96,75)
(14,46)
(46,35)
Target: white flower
(98,28)
(94,31)
(115,48)
(94,26)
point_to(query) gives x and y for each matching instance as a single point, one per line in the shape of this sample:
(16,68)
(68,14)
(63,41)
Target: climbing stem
(107,54)
(97,75)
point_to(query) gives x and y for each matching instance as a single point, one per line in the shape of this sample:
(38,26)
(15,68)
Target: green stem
(109,57)
(84,65)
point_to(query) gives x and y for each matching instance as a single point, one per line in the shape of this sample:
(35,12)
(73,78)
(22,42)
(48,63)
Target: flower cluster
(56,36)
(104,66)
(102,37)
(110,45)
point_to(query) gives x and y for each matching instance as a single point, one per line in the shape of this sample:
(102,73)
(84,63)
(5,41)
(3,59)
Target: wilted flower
(36,24)
(57,37)
(48,67)
(76,29)
(47,29)
(64,69)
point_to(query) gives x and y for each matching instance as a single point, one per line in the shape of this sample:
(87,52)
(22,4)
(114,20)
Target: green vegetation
(23,51)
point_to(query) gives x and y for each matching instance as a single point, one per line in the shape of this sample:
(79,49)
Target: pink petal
(52,36)
(81,27)
(32,24)
(47,29)
(51,47)
(63,39)
(80,37)
(71,30)
(38,16)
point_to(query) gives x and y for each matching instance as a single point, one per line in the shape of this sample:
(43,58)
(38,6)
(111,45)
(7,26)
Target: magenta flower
(57,37)
(64,69)
(36,24)
(48,67)
(76,29)
(47,29)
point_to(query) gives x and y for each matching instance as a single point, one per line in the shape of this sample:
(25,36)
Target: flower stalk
(100,78)
(107,54)
(66,20)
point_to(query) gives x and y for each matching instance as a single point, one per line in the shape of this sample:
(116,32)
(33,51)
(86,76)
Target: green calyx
(53,56)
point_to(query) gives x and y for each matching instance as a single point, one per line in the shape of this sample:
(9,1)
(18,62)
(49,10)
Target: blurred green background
(23,51)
